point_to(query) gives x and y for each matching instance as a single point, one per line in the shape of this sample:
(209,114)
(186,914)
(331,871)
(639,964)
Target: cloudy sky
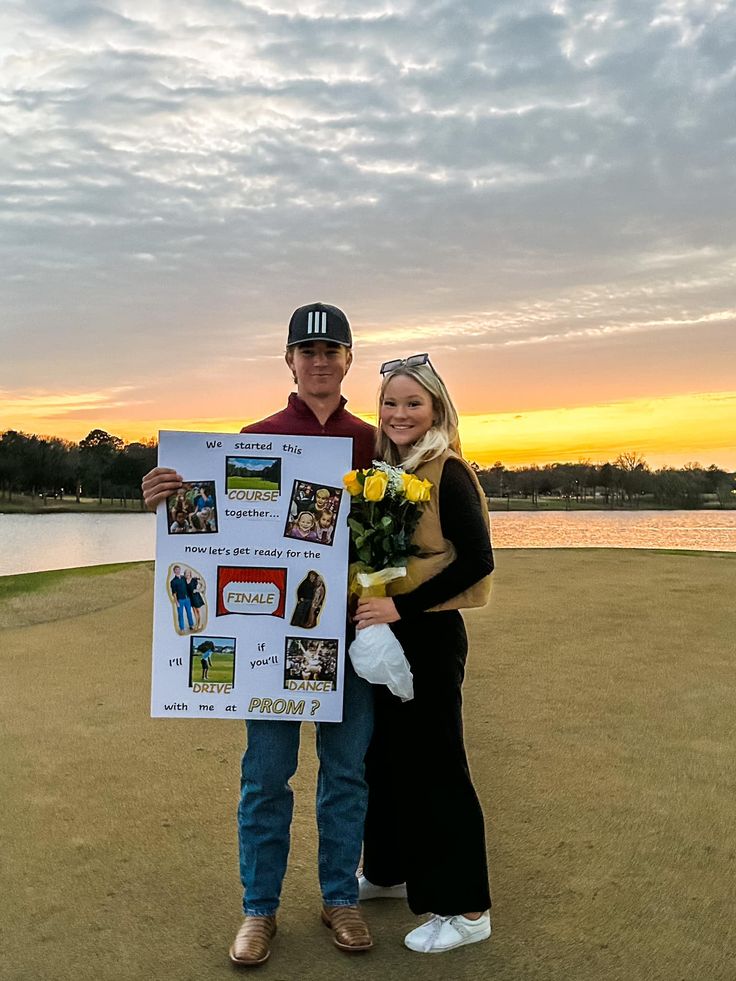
(539,194)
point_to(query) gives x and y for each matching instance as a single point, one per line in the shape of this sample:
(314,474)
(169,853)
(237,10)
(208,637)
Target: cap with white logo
(319,322)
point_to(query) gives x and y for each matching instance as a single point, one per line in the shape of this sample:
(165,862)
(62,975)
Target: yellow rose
(352,484)
(414,488)
(374,488)
(426,488)
(406,479)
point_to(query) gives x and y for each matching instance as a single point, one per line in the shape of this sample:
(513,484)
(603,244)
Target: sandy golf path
(599,716)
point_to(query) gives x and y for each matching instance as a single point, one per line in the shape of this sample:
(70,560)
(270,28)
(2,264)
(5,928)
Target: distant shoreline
(495,504)
(561,504)
(69,506)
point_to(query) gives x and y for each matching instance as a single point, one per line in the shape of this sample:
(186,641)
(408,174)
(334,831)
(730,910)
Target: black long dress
(304,597)
(424,824)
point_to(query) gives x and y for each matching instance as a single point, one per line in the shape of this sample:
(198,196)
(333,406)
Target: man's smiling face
(319,367)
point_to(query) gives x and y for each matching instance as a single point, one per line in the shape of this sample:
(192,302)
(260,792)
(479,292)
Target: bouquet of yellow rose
(385,508)
(384,512)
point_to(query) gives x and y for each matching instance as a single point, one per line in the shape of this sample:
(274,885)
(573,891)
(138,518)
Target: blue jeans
(184,604)
(267,801)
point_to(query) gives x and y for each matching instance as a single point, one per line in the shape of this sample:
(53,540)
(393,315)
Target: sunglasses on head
(414,361)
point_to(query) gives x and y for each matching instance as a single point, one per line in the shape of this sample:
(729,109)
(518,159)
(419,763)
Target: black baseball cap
(319,322)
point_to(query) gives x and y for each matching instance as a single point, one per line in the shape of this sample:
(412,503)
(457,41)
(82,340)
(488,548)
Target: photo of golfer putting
(310,598)
(193,509)
(186,590)
(310,661)
(312,512)
(211,661)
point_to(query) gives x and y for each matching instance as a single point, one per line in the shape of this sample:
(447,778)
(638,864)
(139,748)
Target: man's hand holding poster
(251,573)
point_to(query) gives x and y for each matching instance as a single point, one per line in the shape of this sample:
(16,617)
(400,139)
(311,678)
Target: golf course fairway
(600,730)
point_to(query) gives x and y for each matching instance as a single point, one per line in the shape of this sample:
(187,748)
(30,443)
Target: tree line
(104,466)
(624,483)
(100,465)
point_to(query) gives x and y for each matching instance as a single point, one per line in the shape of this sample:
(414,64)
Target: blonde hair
(442,435)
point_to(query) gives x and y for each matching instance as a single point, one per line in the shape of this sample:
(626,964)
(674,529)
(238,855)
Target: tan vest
(435,551)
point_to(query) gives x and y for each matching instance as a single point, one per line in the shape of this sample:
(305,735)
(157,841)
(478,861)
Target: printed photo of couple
(193,509)
(310,660)
(310,598)
(312,513)
(187,594)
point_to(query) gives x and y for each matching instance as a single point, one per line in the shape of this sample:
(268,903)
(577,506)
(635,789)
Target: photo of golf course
(600,736)
(252,473)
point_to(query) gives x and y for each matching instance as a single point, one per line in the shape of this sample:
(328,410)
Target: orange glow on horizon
(667,431)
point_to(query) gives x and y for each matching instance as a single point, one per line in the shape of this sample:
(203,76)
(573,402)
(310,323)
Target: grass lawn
(221,669)
(35,597)
(250,483)
(23,504)
(599,725)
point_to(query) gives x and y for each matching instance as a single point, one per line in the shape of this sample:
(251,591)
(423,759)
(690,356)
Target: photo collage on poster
(257,540)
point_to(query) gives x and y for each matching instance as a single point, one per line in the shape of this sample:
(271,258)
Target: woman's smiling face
(407,412)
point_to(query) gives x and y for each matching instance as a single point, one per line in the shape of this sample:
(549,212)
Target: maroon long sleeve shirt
(297,419)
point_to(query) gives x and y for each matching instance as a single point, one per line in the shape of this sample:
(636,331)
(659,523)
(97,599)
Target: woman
(304,597)
(424,825)
(317,600)
(195,596)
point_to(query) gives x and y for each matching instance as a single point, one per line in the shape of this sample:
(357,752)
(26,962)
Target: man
(318,352)
(178,587)
(304,497)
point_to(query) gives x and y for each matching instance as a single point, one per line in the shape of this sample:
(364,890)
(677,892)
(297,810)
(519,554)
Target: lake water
(30,543)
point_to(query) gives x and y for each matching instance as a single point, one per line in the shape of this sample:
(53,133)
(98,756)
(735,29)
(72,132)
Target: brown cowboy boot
(349,929)
(252,945)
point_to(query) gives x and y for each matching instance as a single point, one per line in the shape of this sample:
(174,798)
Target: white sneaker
(367,890)
(442,933)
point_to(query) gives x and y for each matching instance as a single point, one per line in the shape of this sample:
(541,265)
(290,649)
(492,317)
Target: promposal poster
(251,578)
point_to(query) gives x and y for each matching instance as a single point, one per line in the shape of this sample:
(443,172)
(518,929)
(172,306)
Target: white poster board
(251,572)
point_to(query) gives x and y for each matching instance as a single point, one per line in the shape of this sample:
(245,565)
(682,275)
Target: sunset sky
(538,194)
